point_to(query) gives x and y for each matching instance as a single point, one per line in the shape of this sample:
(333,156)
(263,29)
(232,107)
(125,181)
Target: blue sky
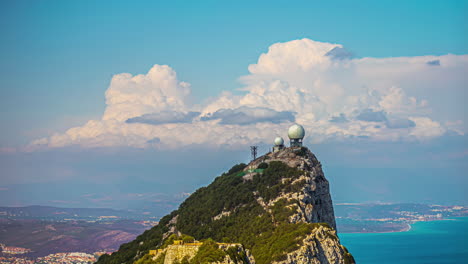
(58,56)
(58,59)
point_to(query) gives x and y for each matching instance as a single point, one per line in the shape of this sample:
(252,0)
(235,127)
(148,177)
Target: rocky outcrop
(278,206)
(314,206)
(176,253)
(321,246)
(314,199)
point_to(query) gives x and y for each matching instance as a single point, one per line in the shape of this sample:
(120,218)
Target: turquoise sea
(427,242)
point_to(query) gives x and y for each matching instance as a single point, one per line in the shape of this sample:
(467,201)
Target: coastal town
(19,255)
(389,217)
(68,258)
(57,258)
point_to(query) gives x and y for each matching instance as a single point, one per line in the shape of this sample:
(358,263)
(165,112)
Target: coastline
(405,229)
(436,241)
(408,226)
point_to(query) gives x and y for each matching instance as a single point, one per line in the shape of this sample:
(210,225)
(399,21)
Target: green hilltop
(253,211)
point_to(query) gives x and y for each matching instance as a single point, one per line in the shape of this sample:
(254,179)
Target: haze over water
(441,242)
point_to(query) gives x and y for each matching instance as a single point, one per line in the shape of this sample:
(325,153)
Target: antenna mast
(253,151)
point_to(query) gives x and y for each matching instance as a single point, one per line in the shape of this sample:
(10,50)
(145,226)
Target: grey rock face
(315,206)
(176,253)
(321,246)
(315,203)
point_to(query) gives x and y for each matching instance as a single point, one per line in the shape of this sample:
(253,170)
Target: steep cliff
(278,207)
(313,197)
(321,246)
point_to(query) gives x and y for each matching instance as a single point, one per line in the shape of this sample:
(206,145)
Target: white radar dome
(279,141)
(296,132)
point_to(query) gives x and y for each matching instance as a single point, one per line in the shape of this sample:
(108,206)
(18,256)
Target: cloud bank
(249,115)
(164,117)
(317,84)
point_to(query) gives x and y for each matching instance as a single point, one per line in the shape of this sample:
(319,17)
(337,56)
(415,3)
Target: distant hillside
(46,237)
(37,212)
(278,208)
(397,210)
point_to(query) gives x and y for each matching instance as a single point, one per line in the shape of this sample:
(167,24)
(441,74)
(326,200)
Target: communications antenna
(253,151)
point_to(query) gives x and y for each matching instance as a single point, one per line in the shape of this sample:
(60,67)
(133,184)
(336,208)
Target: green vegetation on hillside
(237,168)
(170,240)
(239,217)
(208,252)
(148,259)
(262,165)
(150,239)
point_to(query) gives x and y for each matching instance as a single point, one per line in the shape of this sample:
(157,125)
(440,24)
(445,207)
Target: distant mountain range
(347,214)
(57,213)
(48,237)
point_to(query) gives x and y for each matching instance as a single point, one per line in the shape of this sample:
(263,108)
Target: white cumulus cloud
(317,84)
(130,96)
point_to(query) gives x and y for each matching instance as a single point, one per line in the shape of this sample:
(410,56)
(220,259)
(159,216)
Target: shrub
(160,259)
(188,239)
(208,252)
(237,168)
(170,240)
(237,254)
(146,259)
(262,165)
(185,260)
(302,152)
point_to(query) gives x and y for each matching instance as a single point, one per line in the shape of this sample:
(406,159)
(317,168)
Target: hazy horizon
(136,106)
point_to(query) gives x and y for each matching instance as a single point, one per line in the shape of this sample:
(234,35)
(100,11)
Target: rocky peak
(278,207)
(314,199)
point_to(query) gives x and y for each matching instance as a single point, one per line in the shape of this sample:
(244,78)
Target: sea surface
(438,242)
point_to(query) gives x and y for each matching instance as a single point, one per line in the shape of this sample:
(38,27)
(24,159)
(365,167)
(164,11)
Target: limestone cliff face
(176,253)
(314,200)
(315,206)
(321,246)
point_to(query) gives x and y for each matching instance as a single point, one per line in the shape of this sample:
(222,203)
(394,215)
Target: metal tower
(253,151)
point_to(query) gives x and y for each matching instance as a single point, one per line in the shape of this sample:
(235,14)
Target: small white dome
(296,132)
(279,141)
